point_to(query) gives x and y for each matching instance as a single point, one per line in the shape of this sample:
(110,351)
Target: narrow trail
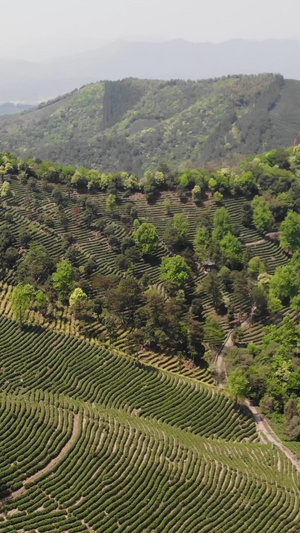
(255,243)
(63,452)
(263,427)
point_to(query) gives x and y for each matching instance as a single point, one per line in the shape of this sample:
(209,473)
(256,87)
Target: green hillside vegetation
(116,295)
(136,125)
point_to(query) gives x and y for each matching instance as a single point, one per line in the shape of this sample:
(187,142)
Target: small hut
(209,265)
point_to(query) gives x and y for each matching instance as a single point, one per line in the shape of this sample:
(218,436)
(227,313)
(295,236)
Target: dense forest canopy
(134,125)
(176,259)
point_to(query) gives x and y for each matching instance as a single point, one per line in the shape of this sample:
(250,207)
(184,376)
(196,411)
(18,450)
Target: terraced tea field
(91,441)
(96,437)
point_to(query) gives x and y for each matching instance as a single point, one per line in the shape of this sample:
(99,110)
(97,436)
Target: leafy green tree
(196,194)
(274,304)
(237,335)
(36,265)
(225,275)
(25,237)
(218,197)
(181,224)
(124,299)
(176,233)
(111,202)
(290,231)
(6,190)
(21,299)
(262,214)
(231,249)
(202,243)
(175,271)
(259,298)
(41,302)
(63,278)
(295,304)
(146,238)
(210,285)
(285,283)
(221,224)
(238,385)
(77,301)
(255,267)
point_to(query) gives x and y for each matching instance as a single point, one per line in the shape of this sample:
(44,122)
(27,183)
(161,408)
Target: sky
(42,29)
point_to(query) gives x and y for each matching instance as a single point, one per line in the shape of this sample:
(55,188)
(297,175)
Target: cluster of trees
(270,373)
(172,318)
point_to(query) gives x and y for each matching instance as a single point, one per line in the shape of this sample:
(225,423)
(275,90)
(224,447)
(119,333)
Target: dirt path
(263,427)
(52,463)
(255,243)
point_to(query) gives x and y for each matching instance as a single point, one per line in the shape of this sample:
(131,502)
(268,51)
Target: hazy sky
(33,29)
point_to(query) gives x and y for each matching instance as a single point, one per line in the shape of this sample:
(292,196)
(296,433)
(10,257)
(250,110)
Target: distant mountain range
(137,124)
(30,82)
(9,108)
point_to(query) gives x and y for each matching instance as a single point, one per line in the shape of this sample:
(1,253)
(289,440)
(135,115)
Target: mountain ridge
(135,125)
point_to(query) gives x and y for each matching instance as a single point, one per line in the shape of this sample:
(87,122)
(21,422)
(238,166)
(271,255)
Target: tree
(41,302)
(237,335)
(290,231)
(63,278)
(124,299)
(202,243)
(77,301)
(274,305)
(221,224)
(210,285)
(290,409)
(231,249)
(36,265)
(241,290)
(225,275)
(110,202)
(6,190)
(218,197)
(293,428)
(285,283)
(255,267)
(146,238)
(262,215)
(175,271)
(176,233)
(238,385)
(21,299)
(167,206)
(260,300)
(295,304)
(196,194)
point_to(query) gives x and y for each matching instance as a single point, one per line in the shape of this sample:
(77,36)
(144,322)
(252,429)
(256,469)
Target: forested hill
(135,125)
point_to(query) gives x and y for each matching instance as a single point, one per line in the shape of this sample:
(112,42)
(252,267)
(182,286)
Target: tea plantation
(110,414)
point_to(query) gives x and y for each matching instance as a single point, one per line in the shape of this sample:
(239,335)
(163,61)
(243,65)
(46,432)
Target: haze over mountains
(31,82)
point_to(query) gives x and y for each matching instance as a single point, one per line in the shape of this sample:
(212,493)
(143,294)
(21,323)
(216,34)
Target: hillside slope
(106,422)
(135,124)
